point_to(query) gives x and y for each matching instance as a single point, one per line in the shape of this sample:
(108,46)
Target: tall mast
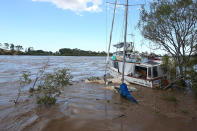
(125,39)
(112,26)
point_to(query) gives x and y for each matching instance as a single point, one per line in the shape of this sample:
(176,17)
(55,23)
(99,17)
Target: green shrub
(169,67)
(62,77)
(93,78)
(180,84)
(31,90)
(185,111)
(46,85)
(46,100)
(51,84)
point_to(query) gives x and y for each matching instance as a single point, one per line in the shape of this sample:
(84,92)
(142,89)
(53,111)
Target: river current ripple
(11,68)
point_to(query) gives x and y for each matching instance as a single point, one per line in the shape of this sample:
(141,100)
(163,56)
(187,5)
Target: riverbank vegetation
(172,26)
(46,86)
(11,49)
(50,85)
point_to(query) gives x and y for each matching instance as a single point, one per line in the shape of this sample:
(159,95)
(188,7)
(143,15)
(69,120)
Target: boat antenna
(125,38)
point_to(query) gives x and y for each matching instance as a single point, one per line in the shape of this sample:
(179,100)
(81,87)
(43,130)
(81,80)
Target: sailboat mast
(125,39)
(112,26)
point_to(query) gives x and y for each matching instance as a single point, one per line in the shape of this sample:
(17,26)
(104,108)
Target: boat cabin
(138,70)
(145,73)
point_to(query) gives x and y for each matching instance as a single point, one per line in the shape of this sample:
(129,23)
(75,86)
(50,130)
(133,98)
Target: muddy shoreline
(88,106)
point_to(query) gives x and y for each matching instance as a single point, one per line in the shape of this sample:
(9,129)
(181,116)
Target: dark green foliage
(50,85)
(26,77)
(78,52)
(180,84)
(46,86)
(169,67)
(172,26)
(31,90)
(185,111)
(37,52)
(46,100)
(93,78)
(17,50)
(6,45)
(62,77)
(12,47)
(165,63)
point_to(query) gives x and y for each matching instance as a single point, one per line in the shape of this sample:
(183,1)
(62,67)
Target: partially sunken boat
(130,66)
(138,70)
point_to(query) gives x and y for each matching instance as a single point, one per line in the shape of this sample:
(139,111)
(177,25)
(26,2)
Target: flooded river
(86,107)
(81,67)
(11,68)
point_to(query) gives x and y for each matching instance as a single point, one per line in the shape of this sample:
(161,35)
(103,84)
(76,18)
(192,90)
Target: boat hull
(147,83)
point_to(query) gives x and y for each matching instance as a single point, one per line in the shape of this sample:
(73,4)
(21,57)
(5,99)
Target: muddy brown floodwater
(91,107)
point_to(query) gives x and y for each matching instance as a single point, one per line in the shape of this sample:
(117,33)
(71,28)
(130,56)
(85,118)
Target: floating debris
(101,81)
(116,88)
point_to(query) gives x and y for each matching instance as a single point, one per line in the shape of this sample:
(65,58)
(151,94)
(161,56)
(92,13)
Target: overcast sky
(54,24)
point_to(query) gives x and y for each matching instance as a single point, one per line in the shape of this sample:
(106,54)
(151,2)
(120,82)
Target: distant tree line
(11,49)
(78,52)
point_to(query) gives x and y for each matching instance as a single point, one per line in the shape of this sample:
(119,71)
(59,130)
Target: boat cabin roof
(150,63)
(121,44)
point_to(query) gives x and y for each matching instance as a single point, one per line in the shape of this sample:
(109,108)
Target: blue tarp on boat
(125,93)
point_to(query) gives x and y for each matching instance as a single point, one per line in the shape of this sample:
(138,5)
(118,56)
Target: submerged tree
(172,26)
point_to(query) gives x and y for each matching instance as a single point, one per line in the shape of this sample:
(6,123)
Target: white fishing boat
(130,66)
(137,70)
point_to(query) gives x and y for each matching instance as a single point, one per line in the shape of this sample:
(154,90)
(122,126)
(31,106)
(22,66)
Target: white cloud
(76,5)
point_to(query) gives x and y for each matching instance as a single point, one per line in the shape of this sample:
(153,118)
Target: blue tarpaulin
(125,93)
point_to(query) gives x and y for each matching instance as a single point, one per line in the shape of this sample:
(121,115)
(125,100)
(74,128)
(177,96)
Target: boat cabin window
(140,72)
(149,72)
(155,72)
